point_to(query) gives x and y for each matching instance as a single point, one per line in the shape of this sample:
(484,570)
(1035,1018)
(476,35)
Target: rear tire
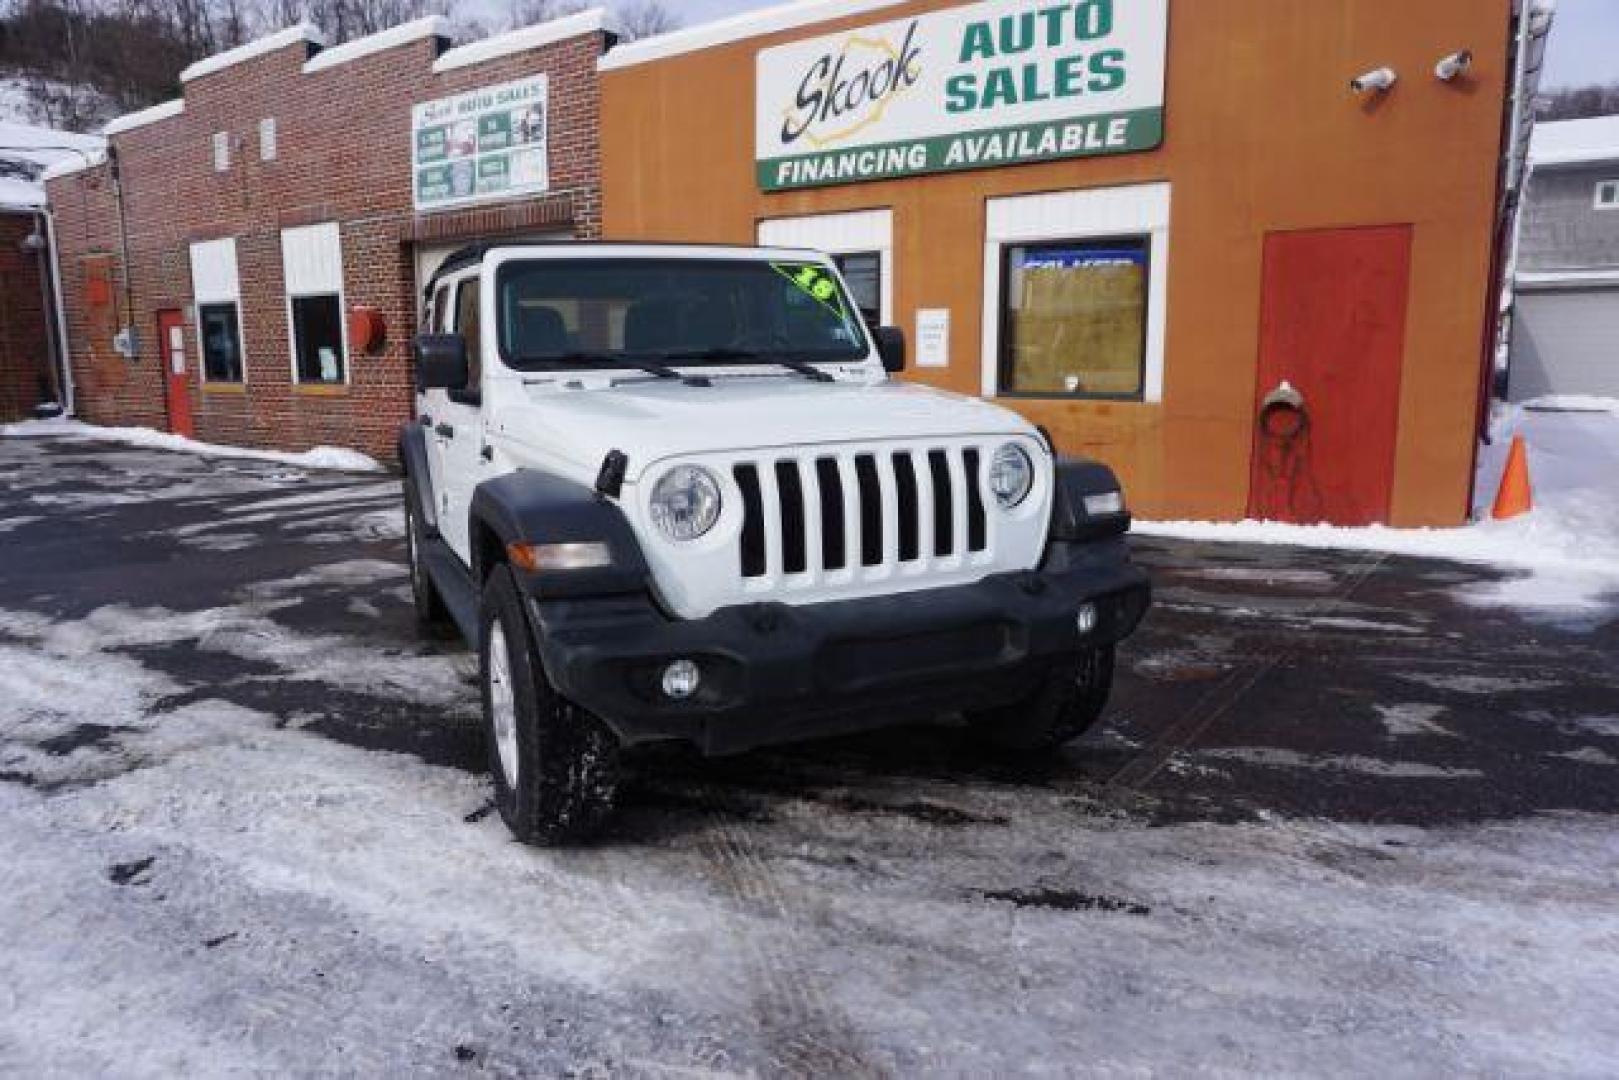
(1067,702)
(432,617)
(555,765)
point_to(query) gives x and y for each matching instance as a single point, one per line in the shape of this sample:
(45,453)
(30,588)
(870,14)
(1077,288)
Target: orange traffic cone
(1513,498)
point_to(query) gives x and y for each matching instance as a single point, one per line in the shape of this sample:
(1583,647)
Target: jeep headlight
(1011,475)
(686,502)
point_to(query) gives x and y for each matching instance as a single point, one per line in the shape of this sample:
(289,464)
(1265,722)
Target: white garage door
(1565,341)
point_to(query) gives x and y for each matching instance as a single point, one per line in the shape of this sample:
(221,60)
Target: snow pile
(1568,545)
(321,457)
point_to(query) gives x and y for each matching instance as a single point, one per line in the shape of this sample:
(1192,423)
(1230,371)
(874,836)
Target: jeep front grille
(861,513)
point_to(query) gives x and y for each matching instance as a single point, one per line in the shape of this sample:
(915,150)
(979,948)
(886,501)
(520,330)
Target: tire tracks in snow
(805,1033)
(1190,726)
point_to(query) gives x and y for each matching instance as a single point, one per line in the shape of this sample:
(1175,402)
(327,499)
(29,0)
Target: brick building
(244,263)
(30,371)
(25,359)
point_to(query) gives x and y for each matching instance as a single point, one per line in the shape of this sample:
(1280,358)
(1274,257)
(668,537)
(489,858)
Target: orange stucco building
(1166,216)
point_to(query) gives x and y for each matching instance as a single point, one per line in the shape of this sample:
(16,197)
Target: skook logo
(845,92)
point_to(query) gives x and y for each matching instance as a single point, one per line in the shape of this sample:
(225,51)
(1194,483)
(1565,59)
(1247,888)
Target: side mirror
(441,362)
(891,347)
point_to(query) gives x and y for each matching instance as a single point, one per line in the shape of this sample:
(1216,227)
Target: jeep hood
(651,422)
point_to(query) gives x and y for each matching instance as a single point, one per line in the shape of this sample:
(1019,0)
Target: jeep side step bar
(454,587)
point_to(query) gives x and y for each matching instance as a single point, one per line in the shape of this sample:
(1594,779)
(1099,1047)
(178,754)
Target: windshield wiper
(810,371)
(648,364)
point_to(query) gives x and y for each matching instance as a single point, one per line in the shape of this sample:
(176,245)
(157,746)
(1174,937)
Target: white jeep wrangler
(674,493)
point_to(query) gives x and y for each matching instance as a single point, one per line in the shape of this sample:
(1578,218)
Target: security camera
(1374,81)
(1457,63)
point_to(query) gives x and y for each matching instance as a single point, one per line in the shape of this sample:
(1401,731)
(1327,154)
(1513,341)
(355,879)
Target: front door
(1332,336)
(171,340)
(457,433)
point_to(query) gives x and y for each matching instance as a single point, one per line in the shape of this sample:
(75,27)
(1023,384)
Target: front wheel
(555,765)
(1066,702)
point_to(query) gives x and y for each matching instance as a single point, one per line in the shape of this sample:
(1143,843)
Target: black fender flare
(1074,478)
(418,476)
(537,507)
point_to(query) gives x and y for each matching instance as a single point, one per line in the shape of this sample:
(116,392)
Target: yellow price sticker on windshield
(816,283)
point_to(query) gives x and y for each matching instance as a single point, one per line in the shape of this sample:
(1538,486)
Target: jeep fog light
(580,555)
(686,502)
(1086,619)
(1011,475)
(680,680)
(1109,502)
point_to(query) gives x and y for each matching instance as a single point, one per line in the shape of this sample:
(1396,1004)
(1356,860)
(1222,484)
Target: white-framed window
(860,242)
(1607,195)
(216,290)
(312,265)
(221,151)
(267,147)
(1075,286)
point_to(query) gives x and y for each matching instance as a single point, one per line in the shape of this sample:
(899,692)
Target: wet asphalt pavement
(1350,686)
(1267,683)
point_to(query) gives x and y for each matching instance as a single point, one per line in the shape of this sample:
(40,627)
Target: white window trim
(1133,210)
(322,289)
(1610,186)
(209,292)
(856,232)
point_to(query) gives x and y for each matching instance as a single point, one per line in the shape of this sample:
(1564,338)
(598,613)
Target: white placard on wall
(933,337)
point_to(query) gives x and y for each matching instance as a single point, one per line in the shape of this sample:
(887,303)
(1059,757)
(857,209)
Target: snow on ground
(206,890)
(321,457)
(1567,547)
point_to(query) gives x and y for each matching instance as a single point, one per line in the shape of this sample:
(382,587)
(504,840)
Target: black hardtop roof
(473,254)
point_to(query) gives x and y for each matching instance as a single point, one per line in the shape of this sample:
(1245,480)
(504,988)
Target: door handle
(445,431)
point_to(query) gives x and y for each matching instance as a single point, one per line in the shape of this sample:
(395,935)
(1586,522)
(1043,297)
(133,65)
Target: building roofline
(1570,158)
(784,16)
(433,26)
(591,21)
(130,121)
(76,164)
(292,35)
(1537,280)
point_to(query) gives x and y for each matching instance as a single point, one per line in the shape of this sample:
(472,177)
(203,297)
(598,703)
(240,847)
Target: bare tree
(645,18)
(1578,103)
(521,13)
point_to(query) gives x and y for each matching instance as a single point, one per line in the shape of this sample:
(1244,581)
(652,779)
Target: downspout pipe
(65,354)
(123,244)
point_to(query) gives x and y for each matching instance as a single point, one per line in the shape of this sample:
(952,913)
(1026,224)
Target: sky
(696,11)
(1584,46)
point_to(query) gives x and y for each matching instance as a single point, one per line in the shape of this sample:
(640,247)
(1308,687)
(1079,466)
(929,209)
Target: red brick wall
(343,154)
(24,339)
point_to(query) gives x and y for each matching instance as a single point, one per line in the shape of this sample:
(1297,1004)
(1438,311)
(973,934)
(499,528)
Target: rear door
(1332,328)
(171,343)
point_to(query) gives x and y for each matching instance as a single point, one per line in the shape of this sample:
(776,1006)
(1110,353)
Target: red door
(171,340)
(1331,339)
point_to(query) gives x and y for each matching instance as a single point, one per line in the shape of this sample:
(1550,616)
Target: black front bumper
(776,672)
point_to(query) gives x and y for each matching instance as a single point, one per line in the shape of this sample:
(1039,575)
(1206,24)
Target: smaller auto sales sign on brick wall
(483,145)
(1000,82)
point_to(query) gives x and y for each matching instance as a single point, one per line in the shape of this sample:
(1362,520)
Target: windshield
(578,312)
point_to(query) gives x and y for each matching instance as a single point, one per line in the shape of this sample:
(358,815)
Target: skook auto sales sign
(999,82)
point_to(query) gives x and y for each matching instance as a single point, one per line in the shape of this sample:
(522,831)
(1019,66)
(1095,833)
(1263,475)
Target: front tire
(1066,703)
(555,765)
